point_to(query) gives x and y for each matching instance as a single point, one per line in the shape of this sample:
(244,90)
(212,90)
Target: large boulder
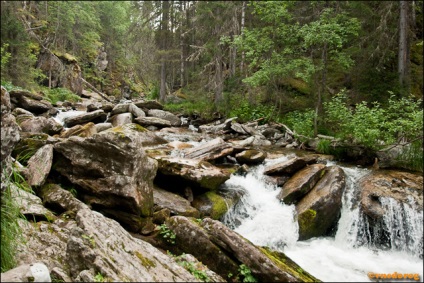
(251,156)
(301,183)
(319,211)
(111,168)
(211,204)
(30,101)
(288,167)
(401,186)
(82,245)
(33,272)
(191,173)
(173,119)
(152,121)
(84,131)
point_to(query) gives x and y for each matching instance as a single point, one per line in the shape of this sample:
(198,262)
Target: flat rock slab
(210,150)
(199,172)
(85,117)
(152,121)
(301,183)
(176,204)
(39,166)
(289,167)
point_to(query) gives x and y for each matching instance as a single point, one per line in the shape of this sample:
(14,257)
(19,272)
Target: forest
(349,69)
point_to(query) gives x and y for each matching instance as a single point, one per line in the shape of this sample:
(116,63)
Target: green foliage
(167,234)
(99,277)
(301,123)
(247,112)
(193,269)
(412,156)
(373,126)
(11,232)
(5,57)
(60,94)
(323,146)
(246,273)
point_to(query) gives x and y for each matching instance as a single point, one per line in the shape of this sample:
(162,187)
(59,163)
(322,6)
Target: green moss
(289,266)
(219,206)
(305,221)
(145,261)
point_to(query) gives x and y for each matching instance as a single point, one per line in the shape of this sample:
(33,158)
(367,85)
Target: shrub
(60,94)
(302,123)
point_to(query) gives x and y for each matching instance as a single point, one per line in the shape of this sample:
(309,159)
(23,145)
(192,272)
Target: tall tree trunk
(219,86)
(403,55)
(182,57)
(164,34)
(243,15)
(321,88)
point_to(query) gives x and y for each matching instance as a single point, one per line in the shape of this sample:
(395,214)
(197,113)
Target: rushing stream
(347,257)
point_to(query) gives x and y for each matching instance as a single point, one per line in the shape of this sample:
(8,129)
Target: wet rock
(96,116)
(289,167)
(301,183)
(192,172)
(251,156)
(165,115)
(319,211)
(401,186)
(210,150)
(211,204)
(262,265)
(176,204)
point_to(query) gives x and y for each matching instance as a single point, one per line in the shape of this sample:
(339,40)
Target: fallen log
(95,90)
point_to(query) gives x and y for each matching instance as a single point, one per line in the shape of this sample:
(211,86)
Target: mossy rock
(211,204)
(288,265)
(306,222)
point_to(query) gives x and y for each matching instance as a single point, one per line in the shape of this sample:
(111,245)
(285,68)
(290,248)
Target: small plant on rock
(167,234)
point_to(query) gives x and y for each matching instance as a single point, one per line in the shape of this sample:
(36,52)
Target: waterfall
(352,253)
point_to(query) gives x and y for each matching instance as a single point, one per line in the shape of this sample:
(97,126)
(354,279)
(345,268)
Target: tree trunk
(403,55)
(321,89)
(218,74)
(164,34)
(243,15)
(182,57)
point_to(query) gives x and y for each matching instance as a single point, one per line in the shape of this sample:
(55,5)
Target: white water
(60,117)
(347,257)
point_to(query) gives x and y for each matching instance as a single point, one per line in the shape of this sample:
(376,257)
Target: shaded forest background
(279,59)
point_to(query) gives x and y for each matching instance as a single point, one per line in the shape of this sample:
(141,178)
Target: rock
(150,104)
(87,244)
(83,131)
(301,183)
(289,167)
(263,265)
(31,102)
(401,186)
(30,143)
(190,235)
(41,125)
(30,205)
(211,204)
(210,150)
(34,272)
(160,216)
(103,126)
(165,115)
(112,169)
(39,166)
(179,145)
(257,140)
(121,119)
(119,109)
(319,211)
(238,128)
(220,128)
(192,173)
(152,121)
(20,111)
(95,116)
(9,128)
(251,156)
(137,112)
(176,204)
(190,263)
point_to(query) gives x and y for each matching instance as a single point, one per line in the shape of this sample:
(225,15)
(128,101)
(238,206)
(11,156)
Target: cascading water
(351,254)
